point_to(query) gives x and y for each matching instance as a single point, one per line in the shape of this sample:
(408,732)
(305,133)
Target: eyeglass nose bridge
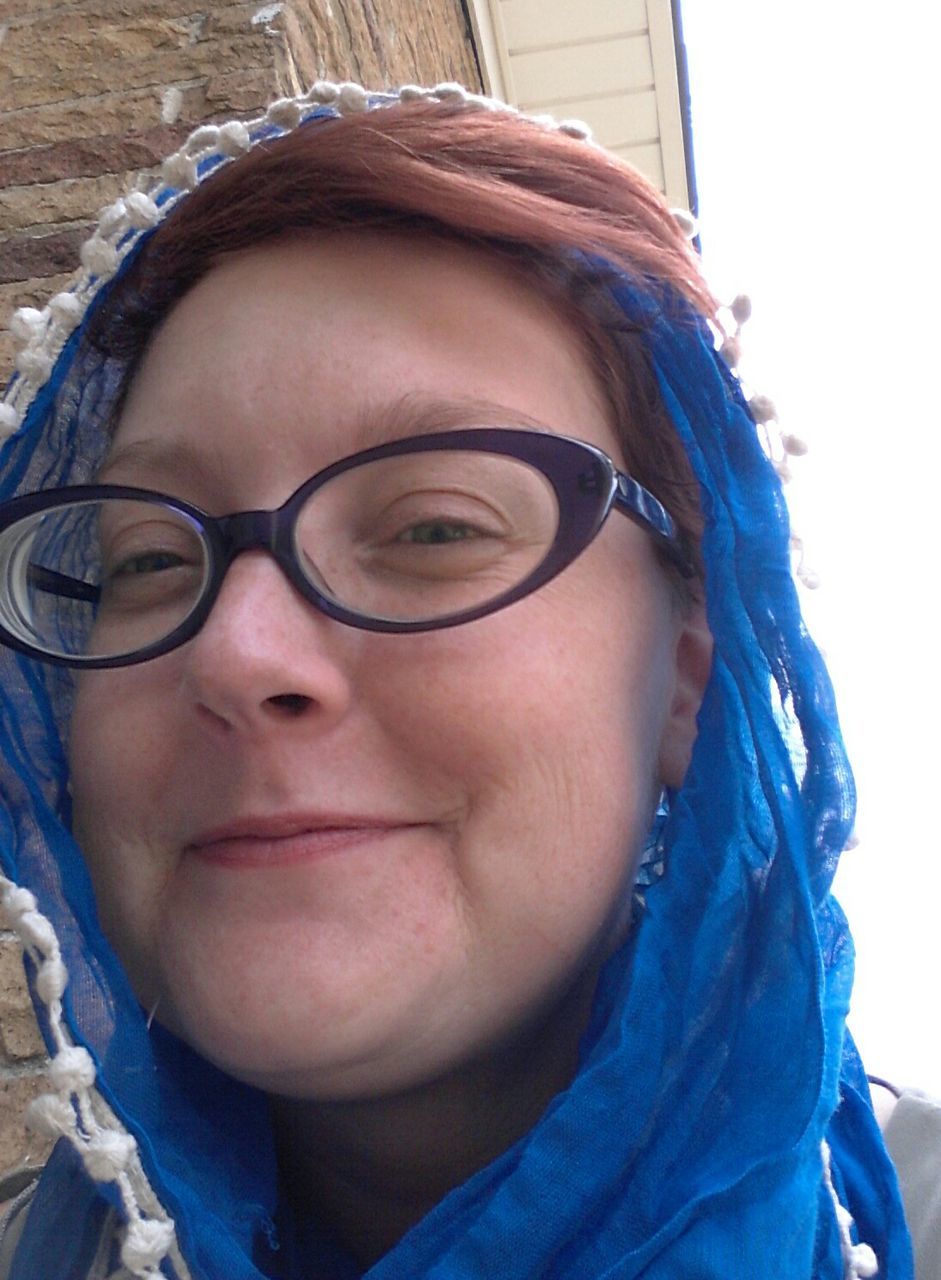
(248,531)
(269,531)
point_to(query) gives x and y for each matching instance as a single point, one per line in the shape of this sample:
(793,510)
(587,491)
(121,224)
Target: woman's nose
(265,656)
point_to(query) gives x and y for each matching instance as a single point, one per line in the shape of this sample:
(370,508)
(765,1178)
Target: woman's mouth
(284,839)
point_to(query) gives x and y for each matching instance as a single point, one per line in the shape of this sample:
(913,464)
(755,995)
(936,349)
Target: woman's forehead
(366,335)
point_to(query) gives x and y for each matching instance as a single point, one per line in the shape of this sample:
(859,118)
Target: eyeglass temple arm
(60,584)
(639,505)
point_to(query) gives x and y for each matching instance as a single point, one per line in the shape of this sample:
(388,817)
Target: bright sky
(815,129)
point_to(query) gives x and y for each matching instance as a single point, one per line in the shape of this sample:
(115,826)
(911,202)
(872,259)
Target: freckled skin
(520,754)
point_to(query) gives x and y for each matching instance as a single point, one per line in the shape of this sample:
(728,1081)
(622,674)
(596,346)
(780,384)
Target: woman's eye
(145,562)
(431,533)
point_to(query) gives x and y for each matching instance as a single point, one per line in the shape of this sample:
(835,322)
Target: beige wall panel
(534,24)
(663,53)
(620,120)
(560,75)
(648,160)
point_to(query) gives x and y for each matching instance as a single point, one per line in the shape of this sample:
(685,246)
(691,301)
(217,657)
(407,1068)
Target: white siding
(576,71)
(612,124)
(529,24)
(610,63)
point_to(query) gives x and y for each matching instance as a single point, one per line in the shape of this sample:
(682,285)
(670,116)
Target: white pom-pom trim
(99,257)
(9,420)
(741,308)
(109,1154)
(179,171)
(731,352)
(285,113)
(33,364)
(66,307)
(794,445)
(864,1259)
(36,931)
(686,223)
(26,323)
(323,92)
(113,220)
(233,139)
(51,980)
(141,211)
(17,902)
(147,1242)
(763,409)
(72,1070)
(859,1260)
(352,98)
(204,138)
(451,89)
(576,129)
(50,1115)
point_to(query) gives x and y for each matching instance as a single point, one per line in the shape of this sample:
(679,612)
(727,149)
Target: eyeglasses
(415,535)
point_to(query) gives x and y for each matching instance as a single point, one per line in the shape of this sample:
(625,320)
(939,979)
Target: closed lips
(289,838)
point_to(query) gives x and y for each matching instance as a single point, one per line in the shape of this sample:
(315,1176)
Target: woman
(453,887)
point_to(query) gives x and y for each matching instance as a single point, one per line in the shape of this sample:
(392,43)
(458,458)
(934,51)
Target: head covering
(719,1122)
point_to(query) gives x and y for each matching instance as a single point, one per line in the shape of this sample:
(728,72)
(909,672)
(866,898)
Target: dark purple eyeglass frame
(586,482)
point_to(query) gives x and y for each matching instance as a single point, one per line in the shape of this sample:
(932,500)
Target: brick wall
(93,94)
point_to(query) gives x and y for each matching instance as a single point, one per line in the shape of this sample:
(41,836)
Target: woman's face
(341,863)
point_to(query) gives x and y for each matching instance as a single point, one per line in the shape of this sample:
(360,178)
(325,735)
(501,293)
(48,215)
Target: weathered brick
(19,1035)
(25,257)
(20,13)
(118,74)
(70,200)
(107,114)
(238,92)
(18,1146)
(422,41)
(6,357)
(29,293)
(89,157)
(58,43)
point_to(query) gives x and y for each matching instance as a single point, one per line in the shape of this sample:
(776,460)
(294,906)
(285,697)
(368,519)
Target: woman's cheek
(120,776)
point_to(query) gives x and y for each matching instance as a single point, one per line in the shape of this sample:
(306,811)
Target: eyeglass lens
(413,537)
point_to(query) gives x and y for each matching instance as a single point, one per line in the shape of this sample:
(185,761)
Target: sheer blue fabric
(717,1059)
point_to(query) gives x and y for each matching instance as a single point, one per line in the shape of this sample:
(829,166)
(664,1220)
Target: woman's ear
(693,662)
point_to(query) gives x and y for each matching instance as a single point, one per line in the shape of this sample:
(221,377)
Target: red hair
(491,178)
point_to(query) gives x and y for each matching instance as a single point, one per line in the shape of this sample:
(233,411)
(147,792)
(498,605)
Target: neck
(372,1168)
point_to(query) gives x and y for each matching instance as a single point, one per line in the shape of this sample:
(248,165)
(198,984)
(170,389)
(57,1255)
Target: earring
(652,863)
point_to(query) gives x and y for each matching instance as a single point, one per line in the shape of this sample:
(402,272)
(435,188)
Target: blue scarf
(719,1104)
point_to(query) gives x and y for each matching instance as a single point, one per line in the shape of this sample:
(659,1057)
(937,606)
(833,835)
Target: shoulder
(913,1137)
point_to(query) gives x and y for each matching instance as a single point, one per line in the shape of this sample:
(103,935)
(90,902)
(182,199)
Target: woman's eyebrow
(413,414)
(418,413)
(155,459)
